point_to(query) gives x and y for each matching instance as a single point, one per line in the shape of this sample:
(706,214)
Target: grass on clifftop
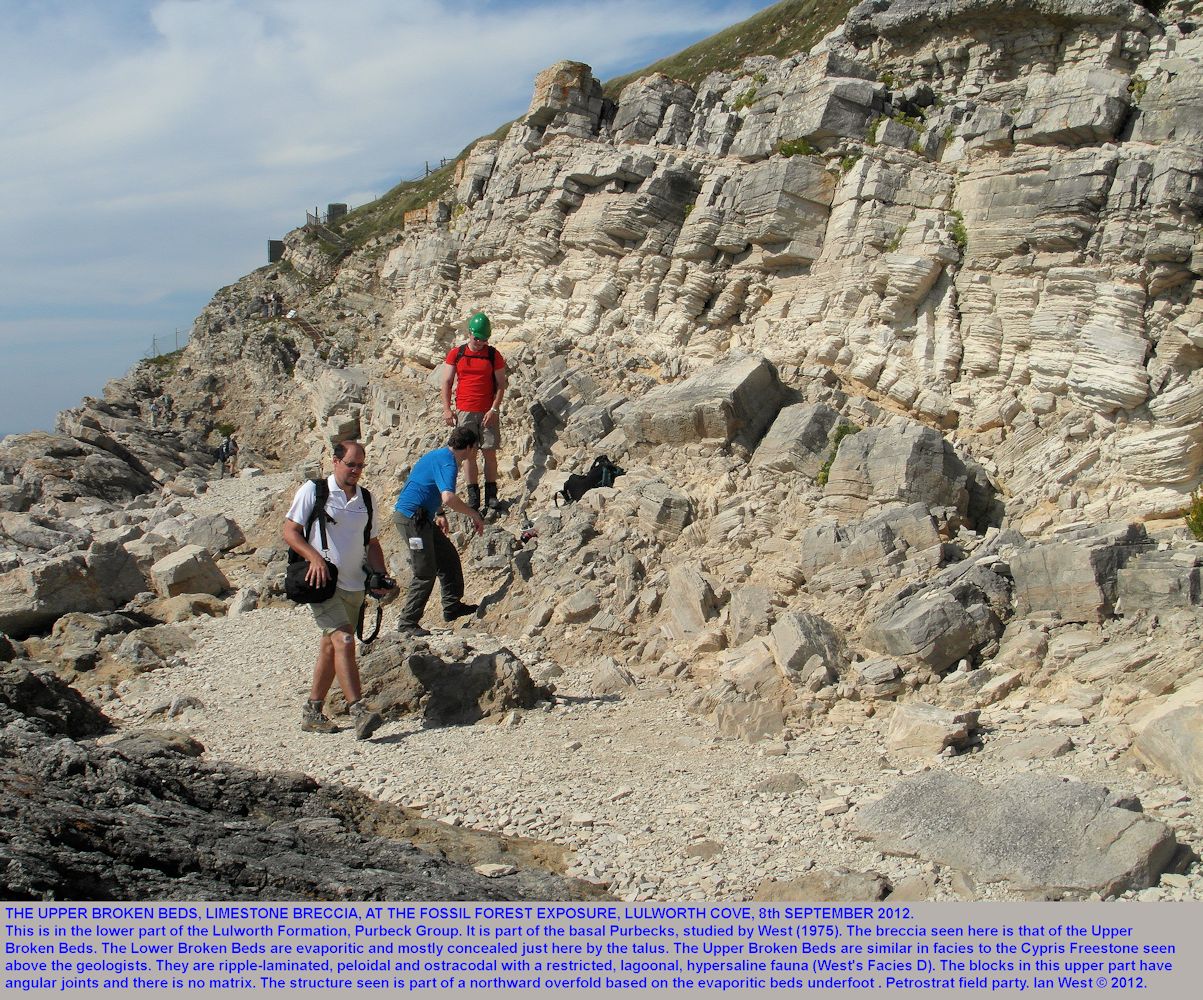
(781,30)
(387,213)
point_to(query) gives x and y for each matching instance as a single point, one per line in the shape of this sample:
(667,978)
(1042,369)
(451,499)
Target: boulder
(785,783)
(150,648)
(1170,738)
(870,543)
(579,606)
(459,691)
(189,605)
(567,100)
(1036,832)
(102,579)
(937,626)
(688,603)
(1159,581)
(808,649)
(611,677)
(750,721)
(38,533)
(55,466)
(916,728)
(191,570)
(1077,576)
(902,463)
(149,549)
(663,510)
(751,612)
(35,694)
(798,440)
(879,678)
(751,670)
(1042,746)
(215,533)
(735,400)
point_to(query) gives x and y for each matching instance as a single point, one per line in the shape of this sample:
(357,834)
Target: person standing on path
(420,518)
(477,372)
(348,515)
(227,454)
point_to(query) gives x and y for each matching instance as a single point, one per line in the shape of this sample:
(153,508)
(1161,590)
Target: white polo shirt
(344,529)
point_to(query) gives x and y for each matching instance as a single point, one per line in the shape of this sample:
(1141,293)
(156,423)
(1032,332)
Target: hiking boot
(366,721)
(491,501)
(314,720)
(415,631)
(458,610)
(474,496)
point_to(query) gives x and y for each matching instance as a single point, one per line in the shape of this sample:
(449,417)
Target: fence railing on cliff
(170,344)
(316,224)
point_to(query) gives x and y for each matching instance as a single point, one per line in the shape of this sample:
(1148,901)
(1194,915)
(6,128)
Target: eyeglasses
(351,465)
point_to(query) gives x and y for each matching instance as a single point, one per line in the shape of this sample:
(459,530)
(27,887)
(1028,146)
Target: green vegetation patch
(1194,514)
(960,236)
(784,29)
(796,147)
(841,432)
(165,363)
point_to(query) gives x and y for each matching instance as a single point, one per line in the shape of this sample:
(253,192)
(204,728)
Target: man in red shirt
(477,371)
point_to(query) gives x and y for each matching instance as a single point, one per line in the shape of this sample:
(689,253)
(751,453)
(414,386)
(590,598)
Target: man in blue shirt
(420,517)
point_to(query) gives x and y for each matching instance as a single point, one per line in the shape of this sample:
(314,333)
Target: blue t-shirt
(433,473)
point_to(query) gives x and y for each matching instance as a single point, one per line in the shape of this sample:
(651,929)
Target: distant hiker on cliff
(477,372)
(227,456)
(351,545)
(421,520)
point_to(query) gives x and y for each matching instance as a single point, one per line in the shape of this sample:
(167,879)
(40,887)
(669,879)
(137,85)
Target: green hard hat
(479,326)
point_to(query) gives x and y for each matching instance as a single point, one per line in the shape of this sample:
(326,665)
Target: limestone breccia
(1035,242)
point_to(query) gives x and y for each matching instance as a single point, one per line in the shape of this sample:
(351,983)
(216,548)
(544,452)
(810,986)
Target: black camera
(379,581)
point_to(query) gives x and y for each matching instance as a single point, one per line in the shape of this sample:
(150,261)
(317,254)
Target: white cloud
(154,147)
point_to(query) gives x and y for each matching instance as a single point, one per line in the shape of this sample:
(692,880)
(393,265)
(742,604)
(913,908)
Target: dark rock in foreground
(141,817)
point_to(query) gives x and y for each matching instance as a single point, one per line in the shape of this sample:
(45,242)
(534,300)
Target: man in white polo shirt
(347,516)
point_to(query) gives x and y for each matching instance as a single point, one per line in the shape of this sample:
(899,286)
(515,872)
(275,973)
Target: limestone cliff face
(983,214)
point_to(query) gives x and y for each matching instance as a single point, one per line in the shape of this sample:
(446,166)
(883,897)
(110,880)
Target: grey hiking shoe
(366,721)
(314,720)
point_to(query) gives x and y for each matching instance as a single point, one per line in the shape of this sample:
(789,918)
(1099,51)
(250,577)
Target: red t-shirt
(474,378)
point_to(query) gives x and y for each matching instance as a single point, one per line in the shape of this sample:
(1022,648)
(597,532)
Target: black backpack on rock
(602,472)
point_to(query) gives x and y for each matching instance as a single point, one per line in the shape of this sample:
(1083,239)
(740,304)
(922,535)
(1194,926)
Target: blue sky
(151,149)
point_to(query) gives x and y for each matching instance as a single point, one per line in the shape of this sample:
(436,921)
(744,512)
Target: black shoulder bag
(296,587)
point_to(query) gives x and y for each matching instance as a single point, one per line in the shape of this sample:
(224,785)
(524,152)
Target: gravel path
(650,801)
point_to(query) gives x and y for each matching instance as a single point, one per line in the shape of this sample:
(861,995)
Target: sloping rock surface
(1034,831)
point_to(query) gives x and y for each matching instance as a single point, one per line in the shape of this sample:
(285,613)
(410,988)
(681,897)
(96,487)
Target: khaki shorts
(490,437)
(340,612)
